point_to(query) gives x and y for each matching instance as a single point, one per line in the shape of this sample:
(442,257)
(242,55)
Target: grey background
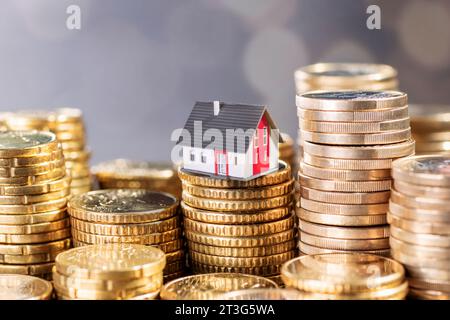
(137,67)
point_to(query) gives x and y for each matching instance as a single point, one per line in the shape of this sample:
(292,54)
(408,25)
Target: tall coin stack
(430,126)
(419,214)
(350,139)
(346,276)
(130,216)
(345,76)
(109,272)
(129,174)
(239,226)
(68,126)
(34,226)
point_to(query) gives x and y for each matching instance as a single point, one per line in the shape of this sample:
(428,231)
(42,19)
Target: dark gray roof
(231,116)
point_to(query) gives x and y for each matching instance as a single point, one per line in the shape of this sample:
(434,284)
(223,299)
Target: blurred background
(137,67)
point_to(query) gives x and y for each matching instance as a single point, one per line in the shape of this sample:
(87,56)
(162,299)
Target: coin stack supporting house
(345,76)
(109,272)
(68,126)
(130,216)
(211,286)
(23,287)
(239,226)
(419,214)
(128,174)
(34,226)
(346,276)
(350,139)
(430,126)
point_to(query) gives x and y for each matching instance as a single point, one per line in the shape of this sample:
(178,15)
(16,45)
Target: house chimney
(216,107)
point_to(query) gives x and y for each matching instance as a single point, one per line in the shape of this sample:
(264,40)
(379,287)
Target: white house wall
(273,154)
(198,165)
(239,169)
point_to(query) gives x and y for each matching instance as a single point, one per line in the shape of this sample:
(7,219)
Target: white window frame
(265,136)
(192,155)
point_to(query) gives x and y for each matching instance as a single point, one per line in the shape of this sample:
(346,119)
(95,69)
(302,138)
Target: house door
(221,163)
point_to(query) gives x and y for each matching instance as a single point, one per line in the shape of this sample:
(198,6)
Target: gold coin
(272,294)
(308,249)
(419,226)
(235,217)
(35,218)
(344,209)
(423,170)
(352,139)
(149,239)
(421,239)
(31,199)
(41,188)
(395,150)
(48,247)
(409,260)
(422,137)
(31,269)
(22,287)
(433,147)
(28,259)
(211,286)
(412,190)
(268,270)
(44,227)
(354,127)
(81,182)
(237,205)
(173,267)
(251,230)
(35,238)
(342,273)
(44,168)
(422,215)
(121,206)
(135,229)
(282,175)
(125,261)
(426,284)
(77,156)
(344,244)
(346,175)
(420,202)
(434,119)
(344,186)
(170,246)
(345,197)
(243,252)
(347,164)
(239,194)
(34,207)
(428,294)
(56,173)
(419,251)
(175,256)
(15,144)
(428,273)
(356,233)
(245,242)
(354,116)
(173,276)
(341,220)
(35,160)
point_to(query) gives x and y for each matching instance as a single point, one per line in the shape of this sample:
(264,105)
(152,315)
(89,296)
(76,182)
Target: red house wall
(260,148)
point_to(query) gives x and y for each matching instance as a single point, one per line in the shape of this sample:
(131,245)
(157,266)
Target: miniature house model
(230,140)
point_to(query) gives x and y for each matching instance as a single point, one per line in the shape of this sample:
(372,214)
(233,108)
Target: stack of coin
(350,139)
(128,174)
(347,276)
(430,126)
(287,151)
(270,294)
(239,226)
(34,226)
(130,216)
(345,76)
(23,287)
(109,272)
(419,214)
(68,126)
(211,286)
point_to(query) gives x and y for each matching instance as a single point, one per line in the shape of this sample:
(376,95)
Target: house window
(203,158)
(265,136)
(235,161)
(192,155)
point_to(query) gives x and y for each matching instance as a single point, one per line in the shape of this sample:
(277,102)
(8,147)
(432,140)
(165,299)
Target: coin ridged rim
(428,273)
(413,190)
(308,101)
(390,84)
(54,174)
(43,168)
(167,247)
(32,199)
(235,217)
(24,219)
(409,260)
(430,284)
(420,202)
(41,188)
(35,238)
(251,230)
(344,209)
(239,194)
(312,250)
(432,147)
(425,137)
(345,175)
(37,228)
(32,269)
(34,207)
(29,259)
(344,186)
(283,174)
(427,240)
(400,172)
(259,271)
(338,232)
(344,244)
(24,249)
(415,226)
(428,294)
(221,241)
(173,267)
(395,150)
(347,164)
(28,162)
(42,289)
(345,197)
(354,116)
(236,205)
(243,252)
(148,239)
(40,148)
(352,139)
(341,220)
(420,251)
(423,215)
